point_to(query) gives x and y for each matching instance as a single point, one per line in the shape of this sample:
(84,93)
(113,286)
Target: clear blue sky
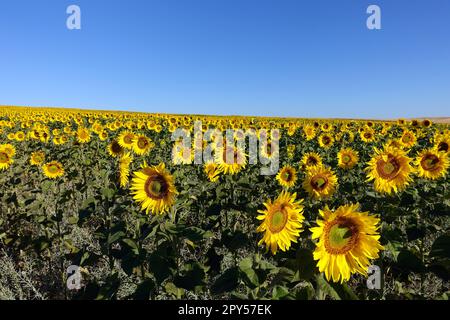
(311,58)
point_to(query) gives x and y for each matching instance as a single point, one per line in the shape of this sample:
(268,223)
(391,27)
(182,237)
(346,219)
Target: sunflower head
(287,176)
(212,171)
(326,140)
(408,139)
(347,158)
(142,145)
(37,158)
(431,164)
(126,139)
(124,168)
(115,149)
(83,135)
(320,182)
(347,240)
(53,169)
(311,159)
(153,187)
(281,222)
(390,169)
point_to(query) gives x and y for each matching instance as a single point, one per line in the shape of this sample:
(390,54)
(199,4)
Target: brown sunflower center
(128,139)
(326,140)
(319,182)
(388,169)
(367,135)
(142,143)
(311,161)
(429,162)
(156,187)
(341,236)
(4,158)
(407,138)
(287,175)
(53,168)
(346,158)
(278,220)
(443,146)
(116,148)
(83,135)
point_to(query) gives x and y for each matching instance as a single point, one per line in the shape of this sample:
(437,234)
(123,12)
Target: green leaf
(325,289)
(115,237)
(279,292)
(132,244)
(228,281)
(407,261)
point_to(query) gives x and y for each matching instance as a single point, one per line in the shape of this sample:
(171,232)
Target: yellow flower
(311,159)
(347,158)
(212,171)
(126,139)
(142,145)
(390,169)
(53,169)
(153,187)
(6,159)
(281,222)
(230,160)
(37,158)
(408,139)
(431,164)
(124,168)
(309,131)
(115,149)
(287,176)
(320,182)
(19,136)
(326,140)
(83,135)
(348,240)
(367,135)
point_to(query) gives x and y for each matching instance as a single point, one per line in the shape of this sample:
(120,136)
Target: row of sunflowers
(347,195)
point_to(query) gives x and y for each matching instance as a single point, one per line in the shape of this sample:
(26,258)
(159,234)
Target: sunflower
(5,159)
(390,169)
(408,139)
(53,169)
(124,168)
(320,182)
(19,136)
(347,158)
(326,140)
(431,164)
(348,239)
(181,154)
(231,160)
(287,176)
(281,222)
(37,158)
(115,149)
(367,135)
(311,159)
(83,135)
(126,139)
(442,142)
(142,145)
(212,171)
(153,187)
(9,149)
(309,131)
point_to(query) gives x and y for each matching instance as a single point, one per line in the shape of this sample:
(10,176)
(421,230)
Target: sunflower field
(355,210)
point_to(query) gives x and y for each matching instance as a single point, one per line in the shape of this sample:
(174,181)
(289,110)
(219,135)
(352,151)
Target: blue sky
(311,58)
